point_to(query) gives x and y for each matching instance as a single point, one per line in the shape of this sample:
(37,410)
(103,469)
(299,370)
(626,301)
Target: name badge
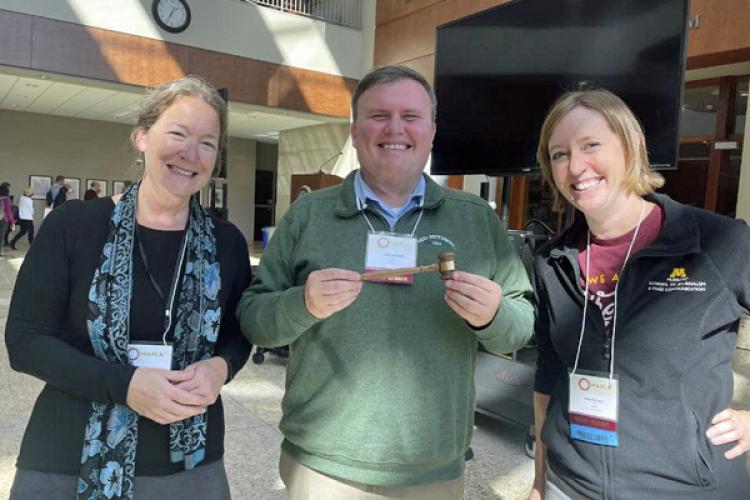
(156,355)
(593,408)
(391,251)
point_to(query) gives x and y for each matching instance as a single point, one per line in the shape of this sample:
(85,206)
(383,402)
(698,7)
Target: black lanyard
(167,301)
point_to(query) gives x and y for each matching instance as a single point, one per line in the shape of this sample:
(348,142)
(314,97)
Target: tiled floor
(500,470)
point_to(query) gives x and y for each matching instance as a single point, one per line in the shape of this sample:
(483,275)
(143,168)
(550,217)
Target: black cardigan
(46,334)
(679,304)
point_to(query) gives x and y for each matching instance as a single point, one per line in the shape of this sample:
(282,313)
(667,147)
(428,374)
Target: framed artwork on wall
(219,197)
(98,186)
(40,184)
(74,188)
(119,186)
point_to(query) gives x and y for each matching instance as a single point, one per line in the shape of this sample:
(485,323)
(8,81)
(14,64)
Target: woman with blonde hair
(124,307)
(639,303)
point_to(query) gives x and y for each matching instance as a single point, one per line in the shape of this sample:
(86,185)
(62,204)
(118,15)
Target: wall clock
(171,15)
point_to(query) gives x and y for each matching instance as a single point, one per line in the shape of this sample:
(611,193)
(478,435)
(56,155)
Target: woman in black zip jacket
(639,303)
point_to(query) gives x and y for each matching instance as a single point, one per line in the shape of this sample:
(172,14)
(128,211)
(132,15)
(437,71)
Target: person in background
(7,221)
(25,217)
(639,302)
(124,307)
(380,387)
(92,192)
(58,192)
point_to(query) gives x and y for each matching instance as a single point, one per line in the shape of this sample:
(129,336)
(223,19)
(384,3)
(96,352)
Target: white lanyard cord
(586,293)
(585,299)
(362,207)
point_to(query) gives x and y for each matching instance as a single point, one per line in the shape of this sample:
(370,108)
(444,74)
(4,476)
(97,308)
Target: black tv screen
(498,72)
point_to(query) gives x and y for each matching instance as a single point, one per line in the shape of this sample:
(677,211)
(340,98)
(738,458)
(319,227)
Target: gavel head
(446,264)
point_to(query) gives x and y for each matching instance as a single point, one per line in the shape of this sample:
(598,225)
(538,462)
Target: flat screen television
(498,72)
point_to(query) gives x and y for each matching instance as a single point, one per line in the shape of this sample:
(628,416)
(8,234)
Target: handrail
(342,12)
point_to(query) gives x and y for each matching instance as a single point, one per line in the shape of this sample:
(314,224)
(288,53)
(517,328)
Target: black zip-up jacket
(679,304)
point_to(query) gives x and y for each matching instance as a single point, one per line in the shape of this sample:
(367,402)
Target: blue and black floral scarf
(111,436)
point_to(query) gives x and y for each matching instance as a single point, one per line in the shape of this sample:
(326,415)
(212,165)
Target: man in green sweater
(380,383)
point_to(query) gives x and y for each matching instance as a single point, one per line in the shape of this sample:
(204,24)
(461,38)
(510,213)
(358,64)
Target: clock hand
(171,12)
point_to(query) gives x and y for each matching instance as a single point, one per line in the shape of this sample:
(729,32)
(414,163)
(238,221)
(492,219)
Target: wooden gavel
(446,264)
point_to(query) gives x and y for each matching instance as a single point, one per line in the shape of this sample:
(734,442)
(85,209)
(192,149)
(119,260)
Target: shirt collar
(364,193)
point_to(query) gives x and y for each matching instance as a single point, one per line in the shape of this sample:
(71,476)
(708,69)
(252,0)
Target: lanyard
(362,205)
(586,293)
(167,301)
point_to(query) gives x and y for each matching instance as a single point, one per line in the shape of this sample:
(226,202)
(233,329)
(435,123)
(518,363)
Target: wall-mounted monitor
(498,72)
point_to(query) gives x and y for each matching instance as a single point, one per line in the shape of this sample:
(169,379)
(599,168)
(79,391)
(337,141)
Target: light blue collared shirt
(366,196)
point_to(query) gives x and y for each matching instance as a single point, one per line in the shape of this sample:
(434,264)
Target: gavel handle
(388,273)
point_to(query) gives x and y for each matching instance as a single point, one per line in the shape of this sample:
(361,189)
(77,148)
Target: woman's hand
(207,379)
(156,395)
(731,426)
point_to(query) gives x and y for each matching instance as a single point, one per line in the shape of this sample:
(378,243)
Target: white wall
(241,185)
(230,26)
(34,144)
(743,193)
(306,150)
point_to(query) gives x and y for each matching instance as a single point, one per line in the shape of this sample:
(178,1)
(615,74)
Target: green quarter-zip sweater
(382,392)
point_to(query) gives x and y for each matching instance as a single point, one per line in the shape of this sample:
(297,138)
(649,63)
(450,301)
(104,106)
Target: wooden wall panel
(52,46)
(425,65)
(319,92)
(723,26)
(15,39)
(167,62)
(60,47)
(388,10)
(212,66)
(127,56)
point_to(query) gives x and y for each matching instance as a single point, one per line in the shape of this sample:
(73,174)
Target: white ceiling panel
(6,83)
(55,96)
(24,92)
(114,107)
(82,101)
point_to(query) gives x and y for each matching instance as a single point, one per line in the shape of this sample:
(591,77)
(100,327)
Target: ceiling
(61,95)
(54,94)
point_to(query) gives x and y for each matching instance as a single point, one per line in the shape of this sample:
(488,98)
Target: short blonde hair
(160,98)
(638,174)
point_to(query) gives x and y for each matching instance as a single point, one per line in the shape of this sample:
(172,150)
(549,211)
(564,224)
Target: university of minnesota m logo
(678,273)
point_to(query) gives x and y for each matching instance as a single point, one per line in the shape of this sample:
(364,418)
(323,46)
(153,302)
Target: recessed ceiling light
(42,77)
(31,85)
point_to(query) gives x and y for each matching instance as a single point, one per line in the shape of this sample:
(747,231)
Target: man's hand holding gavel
(330,290)
(475,298)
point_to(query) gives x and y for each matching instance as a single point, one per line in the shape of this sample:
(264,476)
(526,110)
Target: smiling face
(180,148)
(393,133)
(588,163)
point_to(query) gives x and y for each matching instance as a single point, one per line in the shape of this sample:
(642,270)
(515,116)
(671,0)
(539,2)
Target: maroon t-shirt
(607,257)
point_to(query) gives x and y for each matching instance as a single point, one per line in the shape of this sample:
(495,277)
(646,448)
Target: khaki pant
(303,483)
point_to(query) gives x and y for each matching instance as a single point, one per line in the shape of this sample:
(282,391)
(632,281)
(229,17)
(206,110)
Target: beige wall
(306,150)
(241,185)
(743,193)
(33,144)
